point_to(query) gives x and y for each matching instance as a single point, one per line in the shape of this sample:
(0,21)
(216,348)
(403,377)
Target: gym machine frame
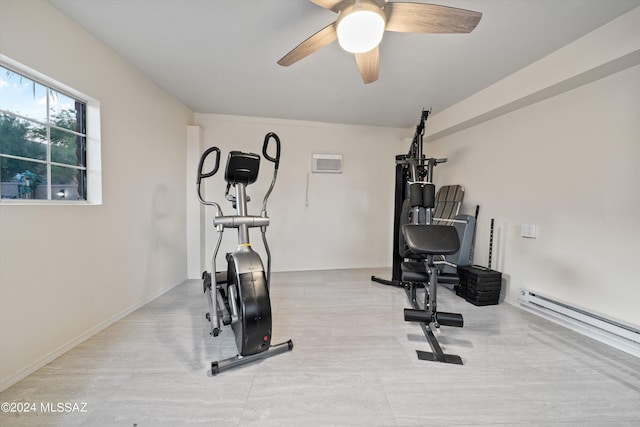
(414,176)
(411,167)
(240,296)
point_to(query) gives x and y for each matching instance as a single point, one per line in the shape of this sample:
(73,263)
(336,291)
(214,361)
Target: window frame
(93,164)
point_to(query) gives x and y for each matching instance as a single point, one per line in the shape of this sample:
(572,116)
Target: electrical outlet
(528,231)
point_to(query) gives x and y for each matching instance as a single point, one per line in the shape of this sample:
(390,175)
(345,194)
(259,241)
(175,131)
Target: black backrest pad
(431,239)
(242,168)
(448,202)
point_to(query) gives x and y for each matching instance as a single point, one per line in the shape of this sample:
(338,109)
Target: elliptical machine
(240,295)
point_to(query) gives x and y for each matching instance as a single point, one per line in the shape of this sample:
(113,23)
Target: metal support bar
(237,360)
(436,354)
(397,283)
(237,221)
(268,251)
(212,292)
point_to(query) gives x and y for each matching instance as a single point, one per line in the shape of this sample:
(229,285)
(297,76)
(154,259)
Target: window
(45,139)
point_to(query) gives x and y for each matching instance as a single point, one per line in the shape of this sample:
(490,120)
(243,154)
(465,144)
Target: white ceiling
(219,56)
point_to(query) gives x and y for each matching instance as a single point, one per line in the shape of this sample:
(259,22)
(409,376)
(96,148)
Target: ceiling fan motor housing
(360,26)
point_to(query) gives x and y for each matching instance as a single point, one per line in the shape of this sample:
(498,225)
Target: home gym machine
(240,295)
(418,240)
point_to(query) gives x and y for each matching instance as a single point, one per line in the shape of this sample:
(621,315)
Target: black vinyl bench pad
(431,239)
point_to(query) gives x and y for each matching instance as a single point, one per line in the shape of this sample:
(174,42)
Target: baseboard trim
(604,336)
(51,356)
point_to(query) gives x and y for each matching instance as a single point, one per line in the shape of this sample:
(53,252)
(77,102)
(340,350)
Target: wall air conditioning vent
(327,163)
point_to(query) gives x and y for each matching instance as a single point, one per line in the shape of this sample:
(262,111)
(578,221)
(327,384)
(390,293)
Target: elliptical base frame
(238,360)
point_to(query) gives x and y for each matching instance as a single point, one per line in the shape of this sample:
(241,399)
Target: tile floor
(353,364)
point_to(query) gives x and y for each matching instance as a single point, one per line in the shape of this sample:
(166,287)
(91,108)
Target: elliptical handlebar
(208,174)
(265,145)
(201,164)
(276,161)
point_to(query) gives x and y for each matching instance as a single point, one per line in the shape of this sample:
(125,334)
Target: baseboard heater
(617,335)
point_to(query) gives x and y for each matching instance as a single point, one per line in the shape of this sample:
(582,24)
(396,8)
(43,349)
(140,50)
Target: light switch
(528,231)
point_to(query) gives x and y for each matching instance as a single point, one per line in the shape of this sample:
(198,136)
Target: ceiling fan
(361,24)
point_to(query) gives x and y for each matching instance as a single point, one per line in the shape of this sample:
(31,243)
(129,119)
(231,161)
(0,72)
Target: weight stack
(479,285)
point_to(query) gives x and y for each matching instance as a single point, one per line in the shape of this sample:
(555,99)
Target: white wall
(195,210)
(564,159)
(348,222)
(67,271)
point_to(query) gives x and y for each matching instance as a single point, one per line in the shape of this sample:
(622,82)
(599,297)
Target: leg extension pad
(449,319)
(443,318)
(412,315)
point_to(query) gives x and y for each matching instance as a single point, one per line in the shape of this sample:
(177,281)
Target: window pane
(66,112)
(29,183)
(22,95)
(67,148)
(42,130)
(24,138)
(67,183)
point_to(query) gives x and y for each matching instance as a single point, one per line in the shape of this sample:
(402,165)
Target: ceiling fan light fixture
(360,27)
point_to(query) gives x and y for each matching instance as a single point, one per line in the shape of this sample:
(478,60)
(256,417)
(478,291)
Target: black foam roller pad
(415,194)
(412,315)
(429,196)
(450,319)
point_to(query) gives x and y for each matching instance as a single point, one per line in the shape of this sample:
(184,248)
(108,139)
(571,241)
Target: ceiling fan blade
(369,65)
(315,42)
(407,17)
(334,5)
(338,5)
